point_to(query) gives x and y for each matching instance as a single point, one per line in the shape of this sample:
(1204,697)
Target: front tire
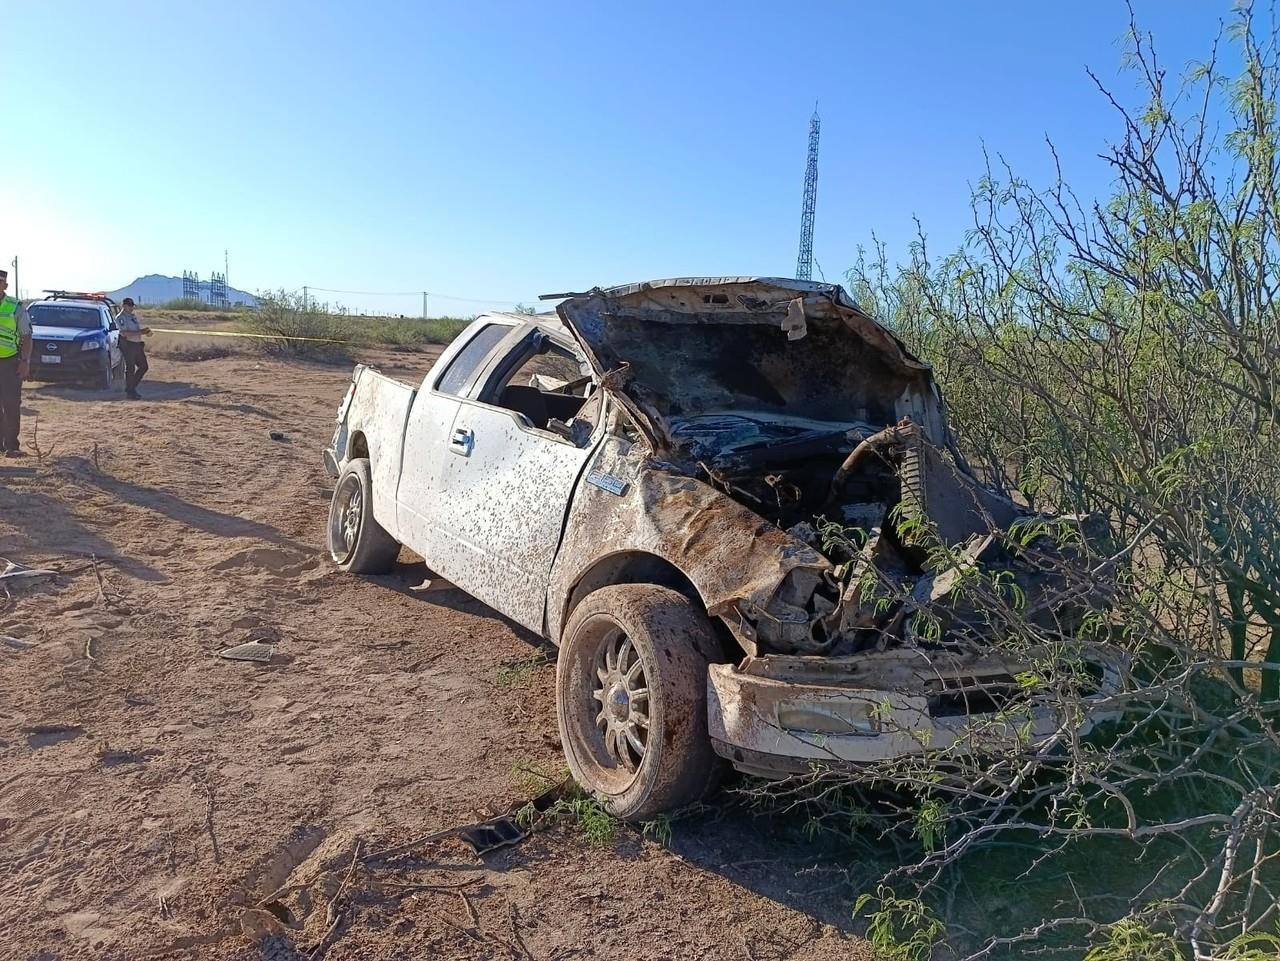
(631,700)
(357,542)
(104,377)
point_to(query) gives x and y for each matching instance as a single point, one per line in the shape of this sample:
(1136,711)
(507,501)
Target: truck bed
(378,406)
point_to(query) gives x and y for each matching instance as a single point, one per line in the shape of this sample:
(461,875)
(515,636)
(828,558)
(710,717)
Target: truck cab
(491,445)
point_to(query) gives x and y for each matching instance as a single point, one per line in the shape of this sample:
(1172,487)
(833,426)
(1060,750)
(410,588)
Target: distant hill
(157,289)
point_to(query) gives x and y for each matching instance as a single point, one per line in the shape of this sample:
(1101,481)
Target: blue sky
(495,151)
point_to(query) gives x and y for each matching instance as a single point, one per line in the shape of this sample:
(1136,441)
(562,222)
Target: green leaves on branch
(899,929)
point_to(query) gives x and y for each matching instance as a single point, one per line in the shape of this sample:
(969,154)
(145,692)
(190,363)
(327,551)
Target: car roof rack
(78,295)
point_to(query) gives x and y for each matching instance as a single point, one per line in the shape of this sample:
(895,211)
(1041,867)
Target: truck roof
(548,319)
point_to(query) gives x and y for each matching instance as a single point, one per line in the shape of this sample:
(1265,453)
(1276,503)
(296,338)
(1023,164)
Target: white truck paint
(478,490)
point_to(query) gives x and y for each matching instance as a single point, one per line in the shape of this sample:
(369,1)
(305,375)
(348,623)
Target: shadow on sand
(151,390)
(410,573)
(44,524)
(184,512)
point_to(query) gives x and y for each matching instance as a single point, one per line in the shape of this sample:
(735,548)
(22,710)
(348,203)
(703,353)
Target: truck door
(426,439)
(516,451)
(114,356)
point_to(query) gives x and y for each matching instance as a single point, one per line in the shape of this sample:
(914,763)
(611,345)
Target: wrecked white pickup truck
(701,490)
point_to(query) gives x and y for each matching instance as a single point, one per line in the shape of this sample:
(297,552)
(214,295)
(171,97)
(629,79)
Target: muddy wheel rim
(621,702)
(344,521)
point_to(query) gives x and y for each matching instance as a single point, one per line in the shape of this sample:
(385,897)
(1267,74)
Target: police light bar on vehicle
(79,295)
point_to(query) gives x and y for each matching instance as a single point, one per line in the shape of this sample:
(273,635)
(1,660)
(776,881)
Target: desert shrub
(1119,359)
(305,328)
(286,324)
(196,305)
(184,303)
(401,332)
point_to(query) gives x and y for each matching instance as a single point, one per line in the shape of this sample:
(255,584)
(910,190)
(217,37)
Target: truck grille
(958,696)
(989,693)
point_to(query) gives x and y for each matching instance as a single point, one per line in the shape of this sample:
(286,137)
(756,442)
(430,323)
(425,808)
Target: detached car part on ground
(734,505)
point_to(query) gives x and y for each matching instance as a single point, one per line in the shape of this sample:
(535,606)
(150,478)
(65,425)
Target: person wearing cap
(135,353)
(15,365)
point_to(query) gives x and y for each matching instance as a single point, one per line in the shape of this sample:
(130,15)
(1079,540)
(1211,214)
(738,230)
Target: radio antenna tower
(804,263)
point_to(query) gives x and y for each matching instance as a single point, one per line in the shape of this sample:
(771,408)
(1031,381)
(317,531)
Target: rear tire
(357,542)
(631,700)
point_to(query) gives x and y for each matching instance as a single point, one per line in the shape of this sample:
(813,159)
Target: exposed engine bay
(789,400)
(906,525)
(784,470)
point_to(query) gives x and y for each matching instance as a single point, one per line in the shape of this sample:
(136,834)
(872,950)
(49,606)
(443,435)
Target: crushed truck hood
(681,353)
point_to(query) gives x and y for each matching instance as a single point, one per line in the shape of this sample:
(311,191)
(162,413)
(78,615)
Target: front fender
(735,559)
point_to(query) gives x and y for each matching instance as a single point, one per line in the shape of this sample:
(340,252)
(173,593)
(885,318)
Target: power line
(368,293)
(476,300)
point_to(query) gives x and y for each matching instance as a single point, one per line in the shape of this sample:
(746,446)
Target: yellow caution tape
(234,333)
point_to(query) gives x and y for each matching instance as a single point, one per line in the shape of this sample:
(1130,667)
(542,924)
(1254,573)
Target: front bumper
(775,716)
(71,363)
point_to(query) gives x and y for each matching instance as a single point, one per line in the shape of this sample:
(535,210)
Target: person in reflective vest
(15,365)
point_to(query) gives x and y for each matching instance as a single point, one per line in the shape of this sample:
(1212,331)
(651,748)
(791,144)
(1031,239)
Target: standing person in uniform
(15,365)
(135,354)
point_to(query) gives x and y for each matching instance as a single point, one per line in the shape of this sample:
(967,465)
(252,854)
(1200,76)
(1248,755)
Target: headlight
(829,717)
(91,345)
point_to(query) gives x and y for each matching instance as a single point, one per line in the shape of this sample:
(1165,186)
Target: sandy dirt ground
(157,801)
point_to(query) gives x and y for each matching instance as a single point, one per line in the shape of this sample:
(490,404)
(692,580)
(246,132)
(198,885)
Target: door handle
(462,441)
